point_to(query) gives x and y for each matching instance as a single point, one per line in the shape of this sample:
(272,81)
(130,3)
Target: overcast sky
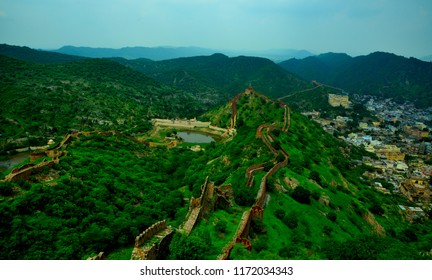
(356,27)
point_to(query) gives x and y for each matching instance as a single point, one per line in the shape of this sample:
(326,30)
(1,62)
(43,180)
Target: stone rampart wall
(150,232)
(25,173)
(198,207)
(241,232)
(151,253)
(160,234)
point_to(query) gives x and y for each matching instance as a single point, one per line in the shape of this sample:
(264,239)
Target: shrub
(301,195)
(332,216)
(258,226)
(315,195)
(23,184)
(279,213)
(6,188)
(221,226)
(327,230)
(289,252)
(260,245)
(315,176)
(291,220)
(376,209)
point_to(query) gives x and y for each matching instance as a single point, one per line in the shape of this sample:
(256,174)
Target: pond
(13,160)
(194,137)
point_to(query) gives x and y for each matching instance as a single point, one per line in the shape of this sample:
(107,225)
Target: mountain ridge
(164,53)
(37,56)
(383,74)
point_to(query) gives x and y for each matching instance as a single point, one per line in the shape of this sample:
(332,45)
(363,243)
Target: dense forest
(43,101)
(381,74)
(104,192)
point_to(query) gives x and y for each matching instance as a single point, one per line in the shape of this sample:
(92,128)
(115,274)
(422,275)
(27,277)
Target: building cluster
(336,100)
(400,146)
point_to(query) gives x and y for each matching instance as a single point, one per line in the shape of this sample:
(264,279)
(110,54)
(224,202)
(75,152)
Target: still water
(193,137)
(13,160)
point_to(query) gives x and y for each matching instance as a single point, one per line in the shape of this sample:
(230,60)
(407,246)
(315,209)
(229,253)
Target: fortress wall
(150,232)
(151,253)
(26,171)
(198,207)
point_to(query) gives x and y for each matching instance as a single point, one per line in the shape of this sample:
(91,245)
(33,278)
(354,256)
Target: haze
(351,26)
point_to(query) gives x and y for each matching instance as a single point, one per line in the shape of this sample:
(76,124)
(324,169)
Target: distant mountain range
(381,74)
(162,53)
(214,79)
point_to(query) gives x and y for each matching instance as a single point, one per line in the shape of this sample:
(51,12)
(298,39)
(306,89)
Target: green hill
(318,206)
(43,101)
(37,56)
(107,188)
(217,77)
(381,74)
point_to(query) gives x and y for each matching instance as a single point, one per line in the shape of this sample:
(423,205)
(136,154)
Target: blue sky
(356,27)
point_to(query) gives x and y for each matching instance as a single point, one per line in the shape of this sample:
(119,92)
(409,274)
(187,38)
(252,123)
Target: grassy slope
(340,200)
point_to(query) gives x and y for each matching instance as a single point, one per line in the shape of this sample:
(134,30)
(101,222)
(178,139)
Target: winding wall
(257,210)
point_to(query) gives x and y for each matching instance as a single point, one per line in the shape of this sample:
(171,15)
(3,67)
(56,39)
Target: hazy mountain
(157,53)
(379,73)
(38,56)
(277,55)
(162,53)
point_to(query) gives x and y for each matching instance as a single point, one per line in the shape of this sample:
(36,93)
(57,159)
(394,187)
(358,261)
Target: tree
(301,195)
(258,226)
(314,175)
(376,209)
(279,213)
(291,220)
(183,247)
(221,226)
(332,216)
(6,188)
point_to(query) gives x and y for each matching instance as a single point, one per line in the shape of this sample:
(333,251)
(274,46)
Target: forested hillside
(31,55)
(318,206)
(107,188)
(43,101)
(217,77)
(381,74)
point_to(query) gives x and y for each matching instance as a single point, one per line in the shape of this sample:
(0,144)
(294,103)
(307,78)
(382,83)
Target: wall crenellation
(158,247)
(150,232)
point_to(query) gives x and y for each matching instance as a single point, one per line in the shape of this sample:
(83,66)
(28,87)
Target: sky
(403,27)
